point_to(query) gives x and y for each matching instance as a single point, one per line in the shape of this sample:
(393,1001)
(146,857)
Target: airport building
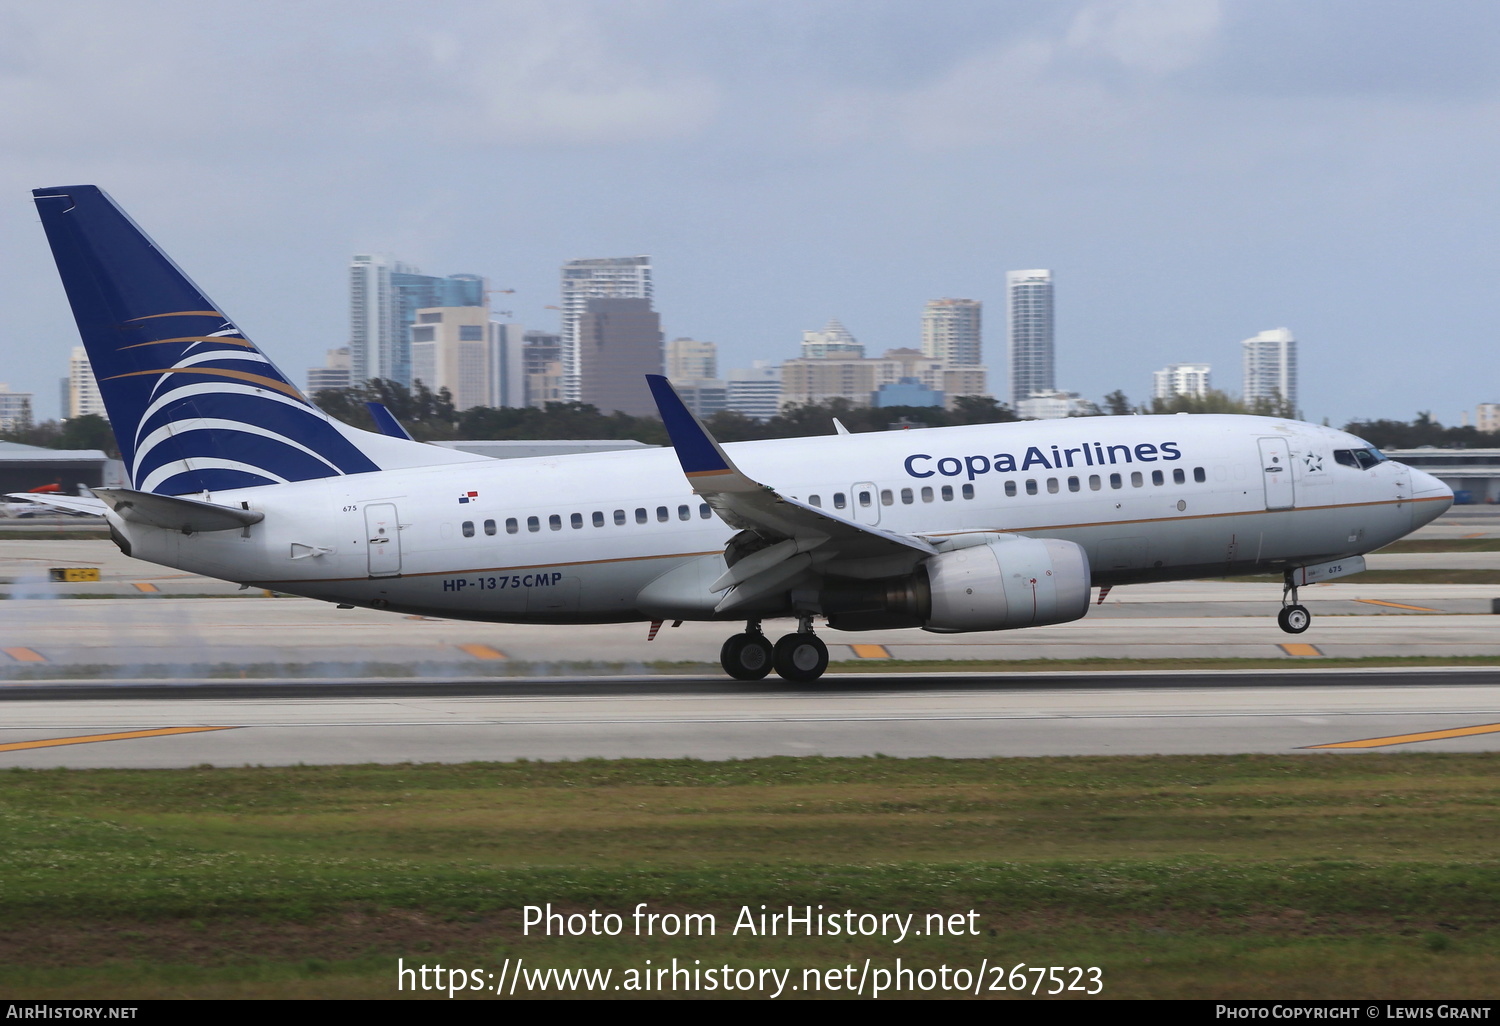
(1181,379)
(601,278)
(1029,323)
(1271,367)
(951,332)
(1473,474)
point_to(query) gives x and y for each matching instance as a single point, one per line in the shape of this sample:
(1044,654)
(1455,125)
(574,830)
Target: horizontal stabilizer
(176,514)
(77,503)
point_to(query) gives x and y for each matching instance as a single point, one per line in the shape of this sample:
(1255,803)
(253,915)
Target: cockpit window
(1360,459)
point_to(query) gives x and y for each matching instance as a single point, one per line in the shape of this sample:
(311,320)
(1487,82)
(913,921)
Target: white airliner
(236,475)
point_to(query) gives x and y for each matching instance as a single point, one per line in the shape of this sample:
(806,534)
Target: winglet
(700,455)
(386,422)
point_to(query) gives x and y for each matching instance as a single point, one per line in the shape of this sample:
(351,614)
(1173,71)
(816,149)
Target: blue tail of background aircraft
(195,406)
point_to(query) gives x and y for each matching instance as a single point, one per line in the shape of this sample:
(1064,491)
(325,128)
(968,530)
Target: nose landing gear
(1293,618)
(796,657)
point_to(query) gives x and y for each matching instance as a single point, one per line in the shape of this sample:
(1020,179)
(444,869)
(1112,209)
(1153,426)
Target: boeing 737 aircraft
(235,474)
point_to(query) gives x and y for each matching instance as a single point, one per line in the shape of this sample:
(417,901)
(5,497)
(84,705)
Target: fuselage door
(1276,471)
(383,535)
(866,502)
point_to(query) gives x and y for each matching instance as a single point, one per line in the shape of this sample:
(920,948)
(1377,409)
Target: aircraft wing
(794,529)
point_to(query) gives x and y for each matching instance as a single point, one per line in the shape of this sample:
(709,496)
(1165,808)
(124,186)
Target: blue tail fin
(195,406)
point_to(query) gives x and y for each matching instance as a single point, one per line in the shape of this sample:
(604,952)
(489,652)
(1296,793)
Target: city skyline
(1194,170)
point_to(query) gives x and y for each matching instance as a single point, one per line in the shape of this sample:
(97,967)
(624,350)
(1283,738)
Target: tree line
(432,416)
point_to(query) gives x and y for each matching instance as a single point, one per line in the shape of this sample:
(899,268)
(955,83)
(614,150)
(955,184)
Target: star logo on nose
(1313,461)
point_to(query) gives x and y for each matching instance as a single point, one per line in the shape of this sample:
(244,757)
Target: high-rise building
(1181,379)
(754,391)
(451,348)
(333,374)
(15,409)
(691,360)
(384,297)
(601,278)
(83,390)
(1487,417)
(542,356)
(950,331)
(619,343)
(1029,310)
(833,342)
(1271,367)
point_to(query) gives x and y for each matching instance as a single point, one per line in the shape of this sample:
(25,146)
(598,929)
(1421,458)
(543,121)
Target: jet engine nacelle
(979,582)
(1008,581)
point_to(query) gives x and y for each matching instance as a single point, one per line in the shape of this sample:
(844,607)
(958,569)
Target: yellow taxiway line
(1406,739)
(84,739)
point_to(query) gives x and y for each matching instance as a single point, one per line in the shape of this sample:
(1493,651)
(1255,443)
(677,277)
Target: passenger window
(927,494)
(511,526)
(968,491)
(838,500)
(684,512)
(866,499)
(1199,475)
(489,527)
(619,518)
(1031,486)
(907,497)
(555,522)
(1010,489)
(1052,485)
(577,521)
(1136,480)
(1074,484)
(886,498)
(1115,481)
(1179,476)
(1158,478)
(468,528)
(1094,483)
(598,518)
(661,514)
(947,493)
(815,500)
(533,524)
(704,513)
(640,515)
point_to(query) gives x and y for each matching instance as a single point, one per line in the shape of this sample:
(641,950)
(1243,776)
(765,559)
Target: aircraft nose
(1433,496)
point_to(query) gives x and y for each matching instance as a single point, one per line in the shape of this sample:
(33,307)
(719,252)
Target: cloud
(1156,37)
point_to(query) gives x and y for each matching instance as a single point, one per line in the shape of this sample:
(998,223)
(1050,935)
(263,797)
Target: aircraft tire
(746,657)
(1294,619)
(801,657)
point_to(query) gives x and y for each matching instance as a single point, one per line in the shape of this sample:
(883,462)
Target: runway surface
(161,679)
(283,723)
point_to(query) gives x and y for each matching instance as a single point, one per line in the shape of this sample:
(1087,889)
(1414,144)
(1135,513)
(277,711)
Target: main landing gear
(799,657)
(1293,618)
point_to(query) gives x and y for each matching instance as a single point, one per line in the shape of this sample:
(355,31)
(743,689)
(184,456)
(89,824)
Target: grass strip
(1310,875)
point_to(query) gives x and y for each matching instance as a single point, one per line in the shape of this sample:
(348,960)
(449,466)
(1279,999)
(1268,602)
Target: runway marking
(1476,534)
(1399,605)
(1300,648)
(483,651)
(25,655)
(871,651)
(1406,739)
(90,738)
(145,586)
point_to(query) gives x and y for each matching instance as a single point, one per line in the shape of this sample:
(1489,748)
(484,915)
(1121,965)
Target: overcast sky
(1192,171)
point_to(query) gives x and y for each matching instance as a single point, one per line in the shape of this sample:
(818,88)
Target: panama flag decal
(467,497)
